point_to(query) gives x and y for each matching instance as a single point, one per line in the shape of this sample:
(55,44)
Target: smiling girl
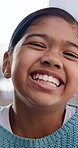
(42,61)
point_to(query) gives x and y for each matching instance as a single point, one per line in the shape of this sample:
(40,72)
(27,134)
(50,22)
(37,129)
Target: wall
(69,5)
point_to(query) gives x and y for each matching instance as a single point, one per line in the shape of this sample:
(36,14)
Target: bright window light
(13,11)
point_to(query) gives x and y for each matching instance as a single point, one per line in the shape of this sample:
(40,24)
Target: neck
(31,123)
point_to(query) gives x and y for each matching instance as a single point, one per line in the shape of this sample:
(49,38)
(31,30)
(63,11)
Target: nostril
(51,61)
(56,65)
(46,63)
(51,64)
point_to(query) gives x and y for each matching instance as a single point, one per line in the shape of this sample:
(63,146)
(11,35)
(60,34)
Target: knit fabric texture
(65,137)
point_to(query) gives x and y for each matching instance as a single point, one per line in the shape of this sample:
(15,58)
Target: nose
(52,61)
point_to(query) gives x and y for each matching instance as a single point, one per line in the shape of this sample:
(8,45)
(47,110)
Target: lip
(46,87)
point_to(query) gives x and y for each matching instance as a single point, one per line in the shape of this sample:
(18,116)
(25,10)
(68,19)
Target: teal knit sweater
(65,137)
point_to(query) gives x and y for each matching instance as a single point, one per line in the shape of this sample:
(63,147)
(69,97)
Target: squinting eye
(69,54)
(37,44)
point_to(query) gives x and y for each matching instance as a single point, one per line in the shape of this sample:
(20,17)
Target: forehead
(53,26)
(54,21)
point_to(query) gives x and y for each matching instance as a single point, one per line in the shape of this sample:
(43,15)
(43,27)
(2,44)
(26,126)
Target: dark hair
(27,21)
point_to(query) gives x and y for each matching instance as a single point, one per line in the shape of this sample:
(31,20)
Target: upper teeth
(46,78)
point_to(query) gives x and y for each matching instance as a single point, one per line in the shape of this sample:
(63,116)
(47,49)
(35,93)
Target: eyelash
(69,54)
(37,44)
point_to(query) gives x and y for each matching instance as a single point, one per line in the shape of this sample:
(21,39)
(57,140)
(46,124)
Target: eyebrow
(38,35)
(72,44)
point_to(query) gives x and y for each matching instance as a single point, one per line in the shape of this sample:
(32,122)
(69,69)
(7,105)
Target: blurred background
(11,13)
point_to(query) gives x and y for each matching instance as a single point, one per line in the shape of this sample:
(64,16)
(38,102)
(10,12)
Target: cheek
(19,68)
(27,56)
(71,72)
(23,62)
(72,77)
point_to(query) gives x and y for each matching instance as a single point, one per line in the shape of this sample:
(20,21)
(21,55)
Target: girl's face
(45,63)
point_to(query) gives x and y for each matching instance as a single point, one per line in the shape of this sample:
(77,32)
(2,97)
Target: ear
(6,66)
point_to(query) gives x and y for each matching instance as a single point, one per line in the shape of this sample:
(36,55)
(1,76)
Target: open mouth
(45,79)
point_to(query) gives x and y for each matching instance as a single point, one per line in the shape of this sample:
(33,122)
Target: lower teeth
(46,82)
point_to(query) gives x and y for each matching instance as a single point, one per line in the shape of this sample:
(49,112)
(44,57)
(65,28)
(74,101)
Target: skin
(50,47)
